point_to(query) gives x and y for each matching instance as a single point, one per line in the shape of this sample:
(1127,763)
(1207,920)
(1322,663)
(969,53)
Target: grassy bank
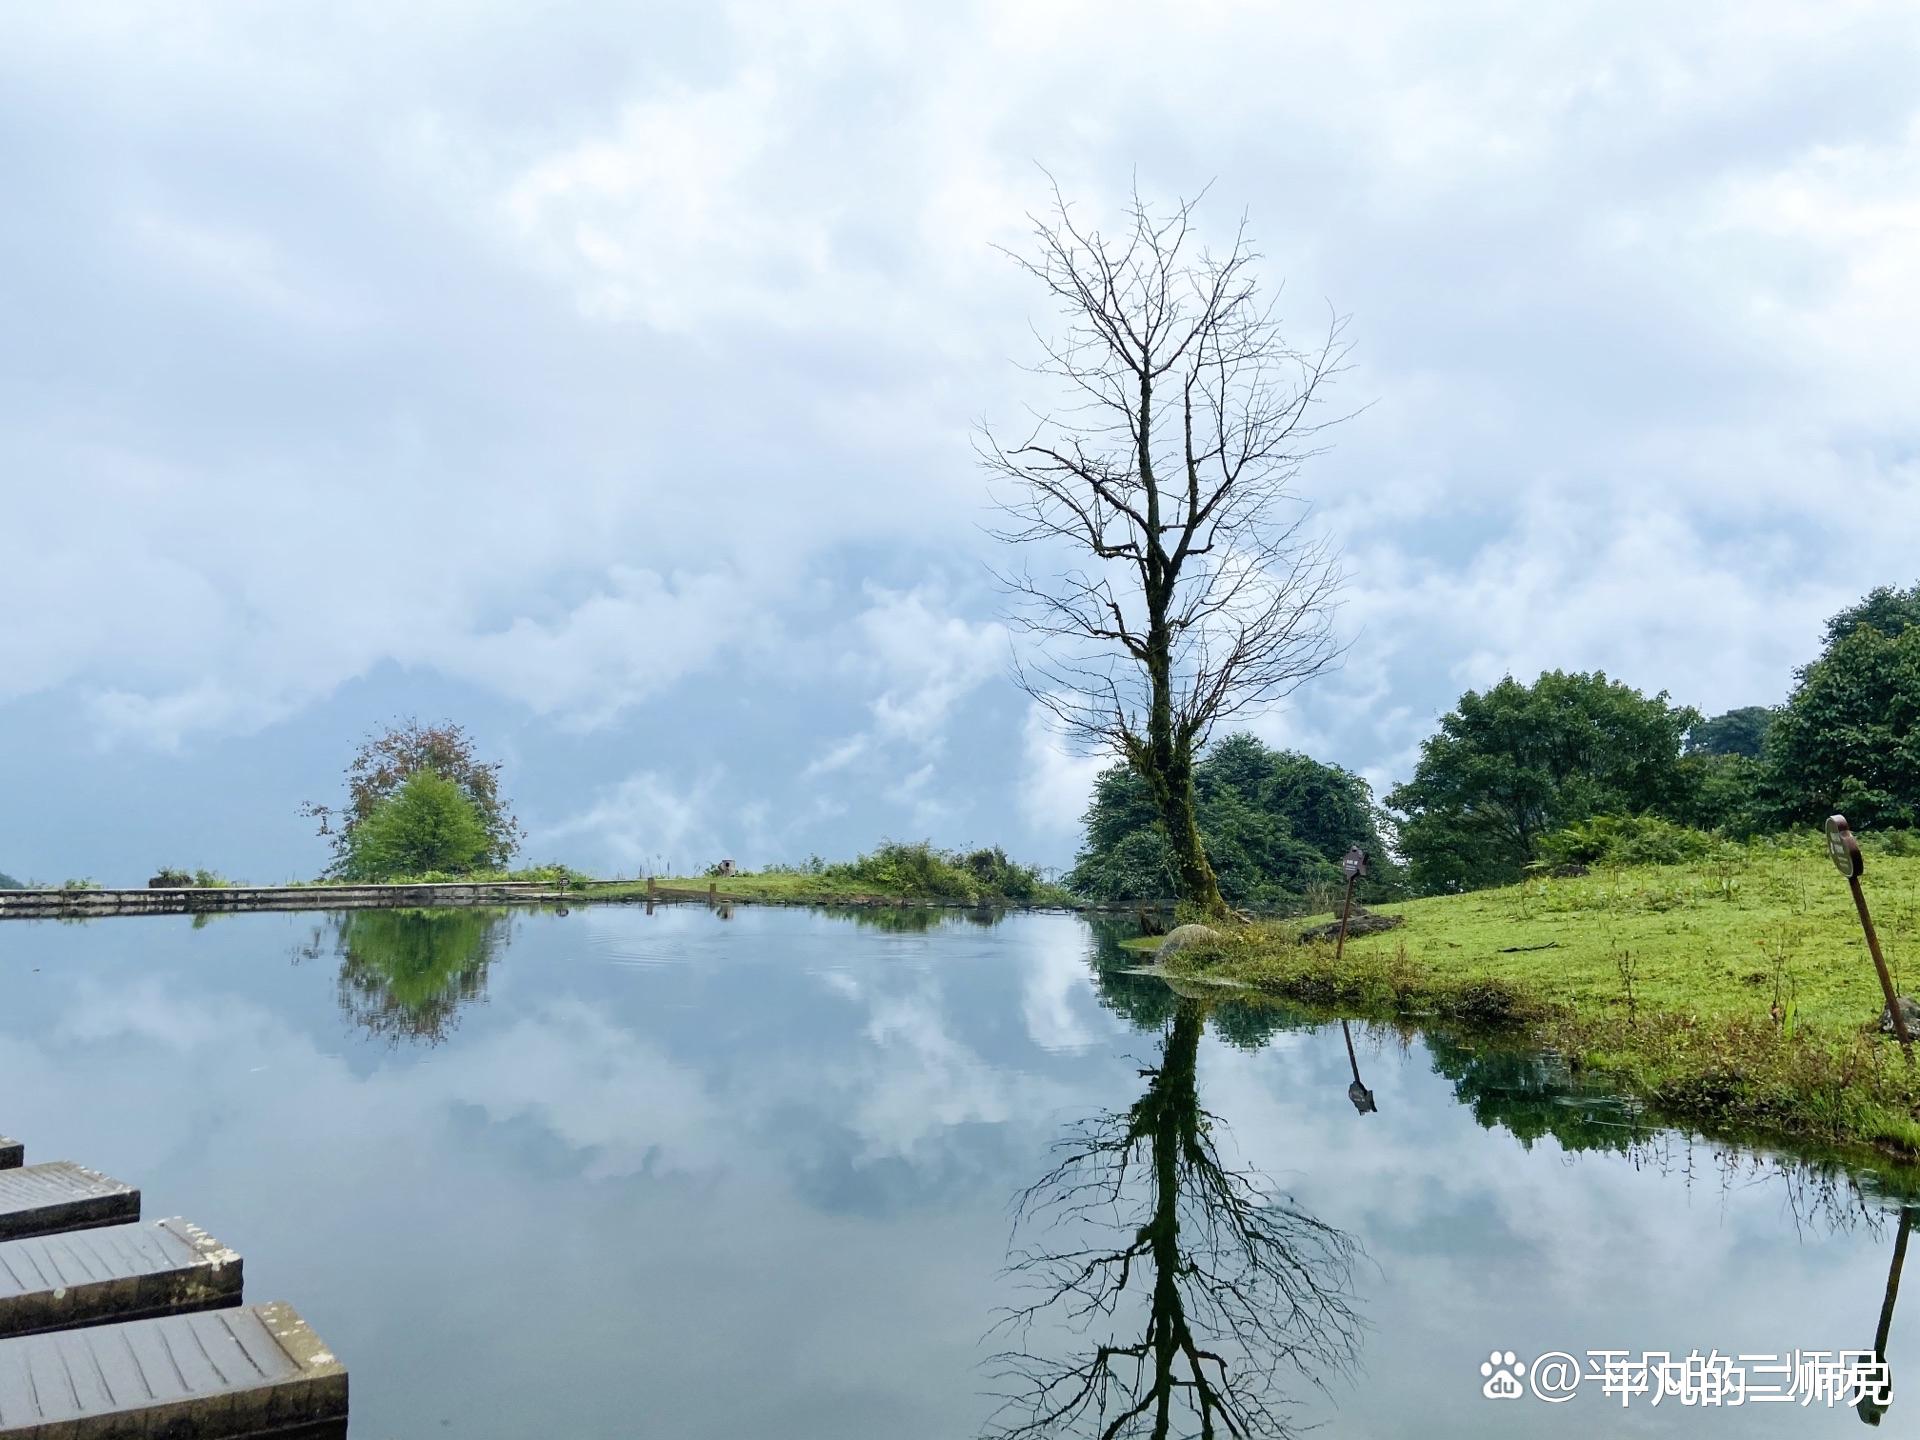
(895,873)
(1733,993)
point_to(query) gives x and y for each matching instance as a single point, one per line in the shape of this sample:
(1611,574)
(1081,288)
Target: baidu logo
(1503,1371)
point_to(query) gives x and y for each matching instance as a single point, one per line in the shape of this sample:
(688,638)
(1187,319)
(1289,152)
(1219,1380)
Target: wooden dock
(242,899)
(110,1329)
(221,1375)
(49,1199)
(120,1272)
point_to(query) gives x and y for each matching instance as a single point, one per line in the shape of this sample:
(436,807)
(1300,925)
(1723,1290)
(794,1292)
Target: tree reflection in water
(407,974)
(914,919)
(1142,1226)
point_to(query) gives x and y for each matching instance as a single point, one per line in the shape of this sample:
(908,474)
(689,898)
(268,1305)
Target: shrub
(561,877)
(918,869)
(427,825)
(168,878)
(812,865)
(383,765)
(997,875)
(1891,842)
(1624,840)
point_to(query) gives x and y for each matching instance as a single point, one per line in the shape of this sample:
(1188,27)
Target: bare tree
(1197,593)
(1141,1220)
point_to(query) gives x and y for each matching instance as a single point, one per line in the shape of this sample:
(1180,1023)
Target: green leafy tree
(1517,762)
(1849,738)
(1273,823)
(1738,732)
(428,824)
(1884,608)
(1727,793)
(386,761)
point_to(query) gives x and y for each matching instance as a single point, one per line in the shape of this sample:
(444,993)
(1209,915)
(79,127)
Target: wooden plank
(12,1154)
(218,1375)
(44,904)
(59,1196)
(121,1272)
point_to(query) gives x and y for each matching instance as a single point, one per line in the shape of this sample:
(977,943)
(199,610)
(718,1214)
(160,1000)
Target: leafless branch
(1180,584)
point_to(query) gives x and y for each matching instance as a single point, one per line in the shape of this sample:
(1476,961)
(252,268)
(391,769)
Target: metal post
(1354,865)
(1844,851)
(1879,961)
(1346,909)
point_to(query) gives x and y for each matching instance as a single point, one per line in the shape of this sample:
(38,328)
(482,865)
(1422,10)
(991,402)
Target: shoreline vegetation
(1733,993)
(895,873)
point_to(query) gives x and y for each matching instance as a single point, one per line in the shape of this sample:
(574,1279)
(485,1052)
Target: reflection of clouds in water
(602,1090)
(1056,996)
(704,1149)
(593,1086)
(148,1010)
(903,1092)
(839,982)
(919,1080)
(1467,1220)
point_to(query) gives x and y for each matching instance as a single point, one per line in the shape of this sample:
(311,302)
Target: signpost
(1353,865)
(1845,852)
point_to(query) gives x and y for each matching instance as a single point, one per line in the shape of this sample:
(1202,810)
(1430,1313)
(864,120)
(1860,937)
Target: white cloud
(837,757)
(644,822)
(919,661)
(914,793)
(599,367)
(641,634)
(1056,785)
(925,658)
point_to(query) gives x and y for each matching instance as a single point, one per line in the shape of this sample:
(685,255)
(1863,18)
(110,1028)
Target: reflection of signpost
(1873,1405)
(1845,851)
(1358,1093)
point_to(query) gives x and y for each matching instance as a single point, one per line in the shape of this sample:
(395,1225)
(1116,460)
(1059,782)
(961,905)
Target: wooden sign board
(1843,848)
(1354,864)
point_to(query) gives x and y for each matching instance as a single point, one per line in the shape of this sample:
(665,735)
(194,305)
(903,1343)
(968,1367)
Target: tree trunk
(1193,872)
(1169,776)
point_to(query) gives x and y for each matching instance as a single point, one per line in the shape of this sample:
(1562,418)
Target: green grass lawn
(1667,977)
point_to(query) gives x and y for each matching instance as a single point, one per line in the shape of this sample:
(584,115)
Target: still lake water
(614,1174)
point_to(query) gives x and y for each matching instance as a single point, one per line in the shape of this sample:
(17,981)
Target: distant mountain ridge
(7,882)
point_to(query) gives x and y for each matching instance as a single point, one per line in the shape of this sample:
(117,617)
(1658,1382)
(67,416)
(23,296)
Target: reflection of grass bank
(1735,992)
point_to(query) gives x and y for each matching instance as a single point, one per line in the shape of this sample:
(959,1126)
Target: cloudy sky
(603,376)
